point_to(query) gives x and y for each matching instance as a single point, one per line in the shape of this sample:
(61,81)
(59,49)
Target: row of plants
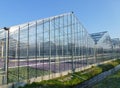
(21,73)
(73,79)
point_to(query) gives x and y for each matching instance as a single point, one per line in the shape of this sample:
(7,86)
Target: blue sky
(95,15)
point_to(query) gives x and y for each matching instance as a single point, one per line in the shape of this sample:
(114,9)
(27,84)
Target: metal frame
(48,46)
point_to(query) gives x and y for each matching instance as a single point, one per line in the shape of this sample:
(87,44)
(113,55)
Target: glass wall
(104,47)
(45,48)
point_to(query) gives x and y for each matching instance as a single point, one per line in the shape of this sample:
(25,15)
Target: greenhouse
(102,39)
(48,48)
(103,45)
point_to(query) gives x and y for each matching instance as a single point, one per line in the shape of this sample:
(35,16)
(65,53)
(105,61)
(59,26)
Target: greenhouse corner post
(7,54)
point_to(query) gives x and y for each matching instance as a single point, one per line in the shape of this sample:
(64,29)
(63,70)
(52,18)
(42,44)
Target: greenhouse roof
(97,36)
(116,41)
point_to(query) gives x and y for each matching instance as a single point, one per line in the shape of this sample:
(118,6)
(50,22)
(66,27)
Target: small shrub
(96,71)
(106,67)
(114,63)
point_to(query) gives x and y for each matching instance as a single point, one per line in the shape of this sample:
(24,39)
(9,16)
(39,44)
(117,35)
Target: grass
(112,81)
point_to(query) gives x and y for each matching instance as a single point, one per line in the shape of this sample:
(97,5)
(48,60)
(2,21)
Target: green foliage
(114,63)
(70,81)
(95,71)
(118,61)
(106,67)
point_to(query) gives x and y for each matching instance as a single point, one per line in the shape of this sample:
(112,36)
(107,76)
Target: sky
(95,15)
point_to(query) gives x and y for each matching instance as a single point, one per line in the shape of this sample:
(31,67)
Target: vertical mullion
(7,56)
(72,42)
(86,48)
(59,43)
(49,50)
(18,51)
(79,28)
(67,42)
(54,46)
(80,53)
(77,45)
(39,49)
(43,47)
(63,53)
(36,47)
(28,54)
(82,49)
